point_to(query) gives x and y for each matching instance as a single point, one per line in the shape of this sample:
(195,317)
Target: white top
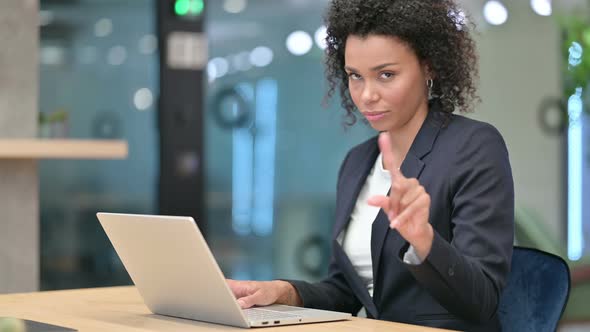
(357,241)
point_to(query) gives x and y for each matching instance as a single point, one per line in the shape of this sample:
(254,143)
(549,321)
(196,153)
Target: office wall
(19,227)
(520,66)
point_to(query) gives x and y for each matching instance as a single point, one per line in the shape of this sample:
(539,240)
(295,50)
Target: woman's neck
(403,137)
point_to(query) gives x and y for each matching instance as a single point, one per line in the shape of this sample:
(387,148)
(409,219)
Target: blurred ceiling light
(261,56)
(211,72)
(117,55)
(217,67)
(320,37)
(103,27)
(143,99)
(299,43)
(495,12)
(234,6)
(52,56)
(542,7)
(148,44)
(45,17)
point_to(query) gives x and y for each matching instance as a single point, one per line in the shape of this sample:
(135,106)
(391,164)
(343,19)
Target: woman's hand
(261,293)
(407,206)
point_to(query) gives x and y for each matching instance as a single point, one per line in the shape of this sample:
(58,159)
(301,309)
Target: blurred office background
(268,153)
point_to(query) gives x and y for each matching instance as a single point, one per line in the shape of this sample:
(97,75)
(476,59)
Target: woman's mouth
(374,116)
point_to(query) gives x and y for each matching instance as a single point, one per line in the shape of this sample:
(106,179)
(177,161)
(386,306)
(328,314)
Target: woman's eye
(354,76)
(387,75)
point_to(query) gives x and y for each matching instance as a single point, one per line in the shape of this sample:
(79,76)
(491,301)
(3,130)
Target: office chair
(536,293)
(531,231)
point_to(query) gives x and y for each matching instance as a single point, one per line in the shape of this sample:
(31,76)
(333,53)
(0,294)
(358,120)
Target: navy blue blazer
(463,165)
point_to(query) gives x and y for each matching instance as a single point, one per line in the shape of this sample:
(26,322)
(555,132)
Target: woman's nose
(369,94)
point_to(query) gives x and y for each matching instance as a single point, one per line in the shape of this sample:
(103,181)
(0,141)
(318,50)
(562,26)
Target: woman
(424,212)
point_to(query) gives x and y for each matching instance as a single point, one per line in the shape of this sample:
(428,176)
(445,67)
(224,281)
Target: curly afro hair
(436,30)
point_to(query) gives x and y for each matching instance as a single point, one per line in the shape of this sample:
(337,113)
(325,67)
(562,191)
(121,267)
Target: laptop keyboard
(255,314)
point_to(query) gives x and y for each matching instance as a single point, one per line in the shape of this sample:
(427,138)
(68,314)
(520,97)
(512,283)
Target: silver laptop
(176,274)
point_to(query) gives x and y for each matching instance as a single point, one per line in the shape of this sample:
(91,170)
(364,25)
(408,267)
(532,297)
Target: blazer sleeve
(333,292)
(468,274)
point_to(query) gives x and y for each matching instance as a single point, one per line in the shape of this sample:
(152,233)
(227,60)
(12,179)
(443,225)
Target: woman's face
(387,83)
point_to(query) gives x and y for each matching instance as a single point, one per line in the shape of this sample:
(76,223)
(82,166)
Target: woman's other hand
(262,293)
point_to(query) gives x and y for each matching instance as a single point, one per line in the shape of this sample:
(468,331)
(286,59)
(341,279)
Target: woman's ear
(428,73)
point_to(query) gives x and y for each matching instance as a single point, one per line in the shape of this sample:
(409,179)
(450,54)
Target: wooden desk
(122,309)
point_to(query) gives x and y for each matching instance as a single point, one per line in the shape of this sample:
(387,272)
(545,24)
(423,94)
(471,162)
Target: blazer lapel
(353,183)
(354,177)
(411,167)
(354,280)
